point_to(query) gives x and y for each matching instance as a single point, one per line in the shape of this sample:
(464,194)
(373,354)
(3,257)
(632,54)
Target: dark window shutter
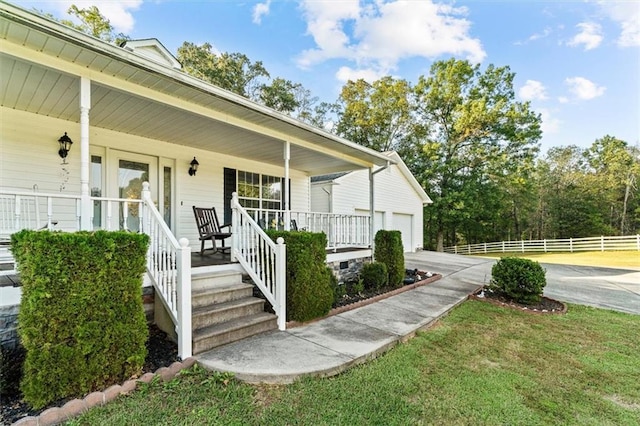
(229,189)
(282,194)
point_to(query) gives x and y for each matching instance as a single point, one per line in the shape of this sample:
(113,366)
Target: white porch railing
(342,230)
(264,260)
(169,267)
(615,243)
(168,261)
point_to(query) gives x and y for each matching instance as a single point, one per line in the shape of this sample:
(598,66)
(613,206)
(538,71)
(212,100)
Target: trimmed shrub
(521,280)
(339,290)
(374,275)
(389,250)
(309,292)
(81,319)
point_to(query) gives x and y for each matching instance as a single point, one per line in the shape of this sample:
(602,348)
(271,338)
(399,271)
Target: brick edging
(75,407)
(365,302)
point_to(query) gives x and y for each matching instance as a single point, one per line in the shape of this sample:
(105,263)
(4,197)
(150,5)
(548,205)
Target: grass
(481,364)
(611,259)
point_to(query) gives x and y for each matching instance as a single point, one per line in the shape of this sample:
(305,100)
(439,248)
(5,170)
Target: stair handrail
(169,267)
(263,259)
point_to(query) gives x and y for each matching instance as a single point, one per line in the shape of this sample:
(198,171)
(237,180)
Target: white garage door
(378,219)
(404,223)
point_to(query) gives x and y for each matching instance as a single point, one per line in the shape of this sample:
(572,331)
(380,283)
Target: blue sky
(578,62)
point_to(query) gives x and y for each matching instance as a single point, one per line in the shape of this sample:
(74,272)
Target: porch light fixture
(65,145)
(194,167)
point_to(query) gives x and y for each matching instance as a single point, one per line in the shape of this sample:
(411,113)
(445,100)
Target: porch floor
(210,259)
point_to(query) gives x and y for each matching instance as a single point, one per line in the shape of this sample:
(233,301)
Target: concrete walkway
(332,345)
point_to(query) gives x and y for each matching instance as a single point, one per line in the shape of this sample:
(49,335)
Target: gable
(152,49)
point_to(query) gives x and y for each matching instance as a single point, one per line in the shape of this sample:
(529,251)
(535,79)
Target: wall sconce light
(194,167)
(65,145)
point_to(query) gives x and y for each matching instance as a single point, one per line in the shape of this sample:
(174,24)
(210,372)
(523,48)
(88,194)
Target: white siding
(393,195)
(320,197)
(29,156)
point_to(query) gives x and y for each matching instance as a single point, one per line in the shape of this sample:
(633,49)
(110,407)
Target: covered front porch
(136,123)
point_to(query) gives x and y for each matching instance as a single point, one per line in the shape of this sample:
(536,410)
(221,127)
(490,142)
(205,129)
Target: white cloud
(584,89)
(260,10)
(377,35)
(563,99)
(532,90)
(627,14)
(345,74)
(118,12)
(535,36)
(549,123)
(590,36)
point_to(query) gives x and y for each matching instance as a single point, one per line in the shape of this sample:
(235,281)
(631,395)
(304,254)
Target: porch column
(85,195)
(372,213)
(287,207)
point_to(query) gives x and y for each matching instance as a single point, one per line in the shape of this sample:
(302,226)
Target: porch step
(217,313)
(231,331)
(203,280)
(219,294)
(224,310)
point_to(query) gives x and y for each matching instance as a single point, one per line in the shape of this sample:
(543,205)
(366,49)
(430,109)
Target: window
(257,191)
(96,189)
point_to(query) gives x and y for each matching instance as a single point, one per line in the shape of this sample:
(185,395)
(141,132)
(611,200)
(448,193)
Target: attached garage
(399,199)
(404,223)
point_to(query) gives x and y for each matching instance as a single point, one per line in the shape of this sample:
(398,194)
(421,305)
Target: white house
(133,116)
(399,199)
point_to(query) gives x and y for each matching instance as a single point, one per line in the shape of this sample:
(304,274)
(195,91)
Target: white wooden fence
(628,242)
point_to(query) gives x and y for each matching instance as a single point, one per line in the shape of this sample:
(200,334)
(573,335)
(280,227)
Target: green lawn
(479,365)
(613,259)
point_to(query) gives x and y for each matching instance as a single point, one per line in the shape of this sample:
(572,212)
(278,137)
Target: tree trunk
(440,240)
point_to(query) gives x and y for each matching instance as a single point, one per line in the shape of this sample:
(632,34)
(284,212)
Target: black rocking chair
(210,229)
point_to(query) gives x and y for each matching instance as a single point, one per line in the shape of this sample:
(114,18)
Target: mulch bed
(545,306)
(161,352)
(349,302)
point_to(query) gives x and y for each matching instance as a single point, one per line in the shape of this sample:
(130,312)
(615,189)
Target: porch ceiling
(177,108)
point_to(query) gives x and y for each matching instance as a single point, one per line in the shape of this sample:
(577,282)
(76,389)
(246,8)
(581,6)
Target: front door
(129,171)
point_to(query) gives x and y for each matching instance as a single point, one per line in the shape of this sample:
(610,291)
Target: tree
(376,115)
(614,167)
(231,71)
(280,95)
(475,133)
(92,22)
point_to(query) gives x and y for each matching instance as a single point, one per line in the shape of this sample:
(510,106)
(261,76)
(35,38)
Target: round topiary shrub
(521,280)
(374,275)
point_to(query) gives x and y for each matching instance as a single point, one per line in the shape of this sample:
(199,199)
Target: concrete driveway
(609,288)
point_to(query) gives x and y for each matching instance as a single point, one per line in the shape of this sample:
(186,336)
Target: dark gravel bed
(161,352)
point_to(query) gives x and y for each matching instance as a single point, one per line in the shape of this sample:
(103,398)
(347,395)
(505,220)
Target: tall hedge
(309,292)
(81,318)
(389,250)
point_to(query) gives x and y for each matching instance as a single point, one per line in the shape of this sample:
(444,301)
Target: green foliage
(231,71)
(355,287)
(374,275)
(339,290)
(389,250)
(309,292)
(81,318)
(376,115)
(522,280)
